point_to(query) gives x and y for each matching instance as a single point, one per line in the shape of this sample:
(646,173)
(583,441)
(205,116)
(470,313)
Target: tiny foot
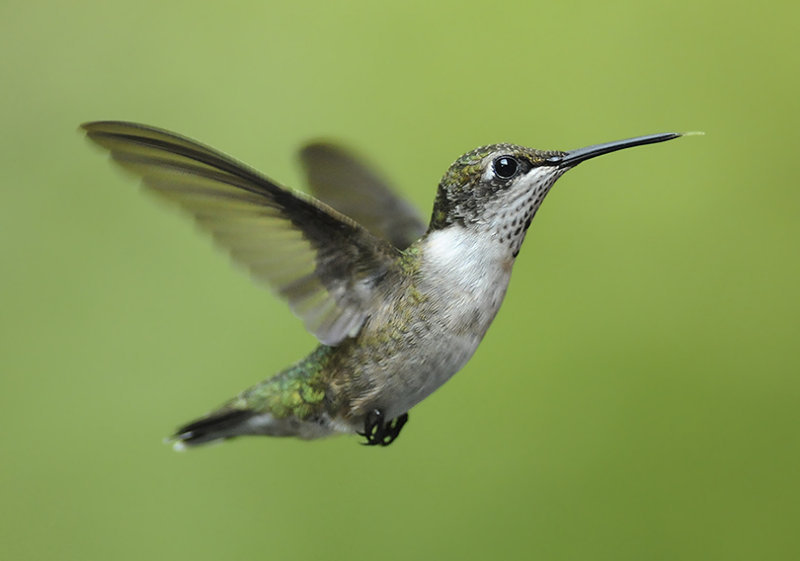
(378,431)
(393,428)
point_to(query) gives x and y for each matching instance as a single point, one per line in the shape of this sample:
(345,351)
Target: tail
(291,403)
(229,423)
(219,425)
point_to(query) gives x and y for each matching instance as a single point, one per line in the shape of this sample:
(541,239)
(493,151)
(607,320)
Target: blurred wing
(322,262)
(340,180)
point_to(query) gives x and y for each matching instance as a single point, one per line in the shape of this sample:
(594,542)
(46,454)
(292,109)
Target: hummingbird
(398,307)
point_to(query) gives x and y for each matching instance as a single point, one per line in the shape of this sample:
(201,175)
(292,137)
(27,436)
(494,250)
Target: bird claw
(380,432)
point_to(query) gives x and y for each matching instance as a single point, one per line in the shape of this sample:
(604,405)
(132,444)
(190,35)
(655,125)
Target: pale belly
(462,283)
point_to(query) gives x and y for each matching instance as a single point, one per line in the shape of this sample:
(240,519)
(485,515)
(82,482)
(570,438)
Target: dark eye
(505,167)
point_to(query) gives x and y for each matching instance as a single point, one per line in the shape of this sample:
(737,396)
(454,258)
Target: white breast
(469,273)
(462,278)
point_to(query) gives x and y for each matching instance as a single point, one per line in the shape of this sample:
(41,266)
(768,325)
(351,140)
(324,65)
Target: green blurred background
(637,397)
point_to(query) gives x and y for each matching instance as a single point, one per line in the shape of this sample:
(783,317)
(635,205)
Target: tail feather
(219,425)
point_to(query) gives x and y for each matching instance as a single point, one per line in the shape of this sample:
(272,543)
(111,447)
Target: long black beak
(574,157)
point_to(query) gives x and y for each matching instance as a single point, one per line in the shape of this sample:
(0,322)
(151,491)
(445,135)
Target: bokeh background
(637,397)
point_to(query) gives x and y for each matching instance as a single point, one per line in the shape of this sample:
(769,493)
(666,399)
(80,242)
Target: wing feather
(326,265)
(339,179)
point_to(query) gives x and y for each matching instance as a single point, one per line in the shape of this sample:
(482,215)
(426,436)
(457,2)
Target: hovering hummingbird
(397,307)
